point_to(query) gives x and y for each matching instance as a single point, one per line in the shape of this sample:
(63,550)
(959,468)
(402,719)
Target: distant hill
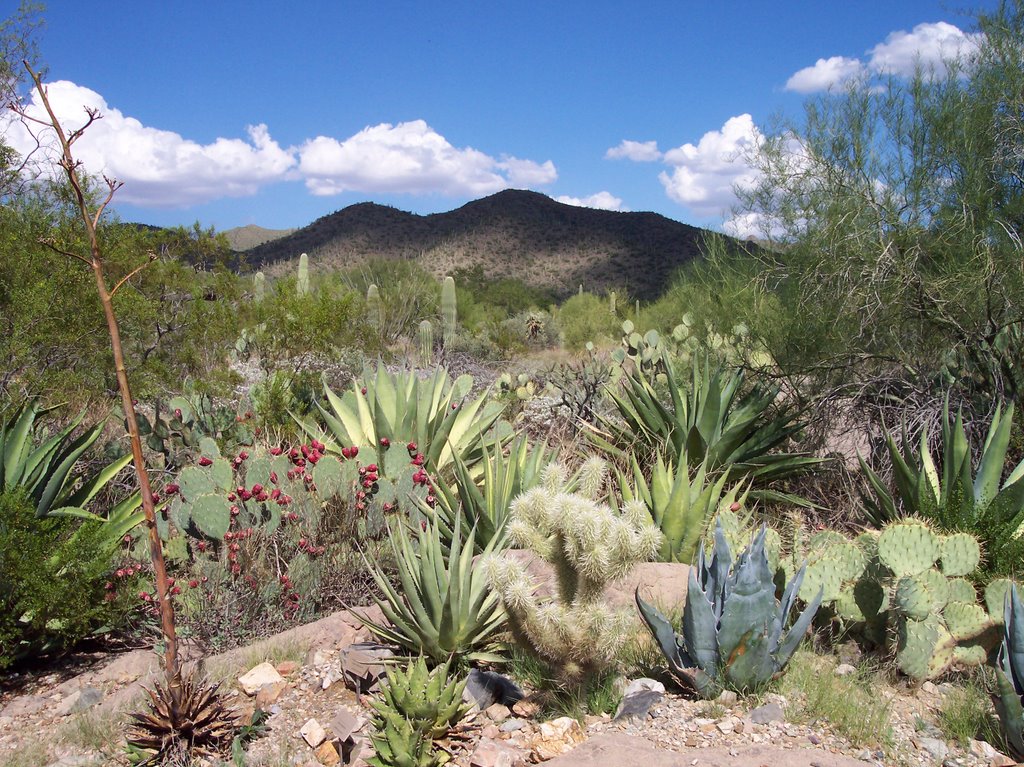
(246,237)
(513,233)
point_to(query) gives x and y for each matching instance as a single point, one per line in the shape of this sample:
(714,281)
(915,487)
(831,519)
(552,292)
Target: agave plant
(429,700)
(711,422)
(480,505)
(959,498)
(445,607)
(733,626)
(45,469)
(682,506)
(434,413)
(192,717)
(1010,675)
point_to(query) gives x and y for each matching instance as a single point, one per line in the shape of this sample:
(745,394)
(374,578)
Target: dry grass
(853,705)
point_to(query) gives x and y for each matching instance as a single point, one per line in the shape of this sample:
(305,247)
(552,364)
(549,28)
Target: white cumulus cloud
(825,74)
(159,168)
(702,175)
(637,151)
(929,45)
(527,173)
(410,157)
(600,200)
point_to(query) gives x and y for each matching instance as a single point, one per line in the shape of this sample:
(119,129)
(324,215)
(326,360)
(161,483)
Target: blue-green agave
(1010,675)
(733,625)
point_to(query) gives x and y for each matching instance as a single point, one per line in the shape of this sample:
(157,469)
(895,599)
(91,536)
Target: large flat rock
(662,583)
(619,750)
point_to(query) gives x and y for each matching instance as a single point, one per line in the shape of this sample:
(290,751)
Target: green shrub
(53,577)
(585,317)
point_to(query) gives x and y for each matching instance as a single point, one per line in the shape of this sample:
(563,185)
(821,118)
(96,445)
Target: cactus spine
(426,344)
(374,308)
(259,286)
(449,310)
(302,284)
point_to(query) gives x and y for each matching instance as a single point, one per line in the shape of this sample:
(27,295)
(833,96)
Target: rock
(637,705)
(345,724)
(929,688)
(845,669)
(25,705)
(982,749)
(78,701)
(556,737)
(256,677)
(287,667)
(727,698)
(485,688)
(491,753)
(498,712)
(769,712)
(642,684)
(512,725)
(490,732)
(77,761)
(269,693)
(726,726)
(327,754)
(616,749)
(661,583)
(313,733)
(525,708)
(362,667)
(934,747)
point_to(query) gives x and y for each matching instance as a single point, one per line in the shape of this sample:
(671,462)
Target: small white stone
(313,733)
(256,677)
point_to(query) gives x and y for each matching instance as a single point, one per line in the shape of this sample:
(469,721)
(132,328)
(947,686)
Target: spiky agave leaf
(195,719)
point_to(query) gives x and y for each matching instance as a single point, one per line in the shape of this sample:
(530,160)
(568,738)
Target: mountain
(245,237)
(513,233)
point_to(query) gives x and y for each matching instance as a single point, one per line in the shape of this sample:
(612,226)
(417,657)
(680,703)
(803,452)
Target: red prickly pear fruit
(276,451)
(385,442)
(372,468)
(273,477)
(302,542)
(362,390)
(248,414)
(171,489)
(411,447)
(232,497)
(193,584)
(354,451)
(177,413)
(275,493)
(234,511)
(170,581)
(236,569)
(257,489)
(418,460)
(455,405)
(204,461)
(244,456)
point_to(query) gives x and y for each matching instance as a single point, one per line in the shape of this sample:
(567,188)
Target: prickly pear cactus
(910,578)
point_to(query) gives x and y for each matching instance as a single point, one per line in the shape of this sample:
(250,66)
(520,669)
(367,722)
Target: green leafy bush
(585,317)
(54,573)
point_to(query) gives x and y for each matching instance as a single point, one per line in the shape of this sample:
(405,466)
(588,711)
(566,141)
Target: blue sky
(232,113)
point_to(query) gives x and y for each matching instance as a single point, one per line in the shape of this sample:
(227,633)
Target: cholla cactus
(589,545)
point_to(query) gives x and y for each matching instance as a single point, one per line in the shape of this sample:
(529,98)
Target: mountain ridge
(513,233)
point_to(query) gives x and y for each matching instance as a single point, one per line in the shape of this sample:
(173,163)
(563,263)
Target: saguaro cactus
(303,280)
(426,343)
(374,309)
(259,286)
(449,309)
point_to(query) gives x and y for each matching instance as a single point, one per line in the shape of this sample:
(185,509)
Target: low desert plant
(735,632)
(444,607)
